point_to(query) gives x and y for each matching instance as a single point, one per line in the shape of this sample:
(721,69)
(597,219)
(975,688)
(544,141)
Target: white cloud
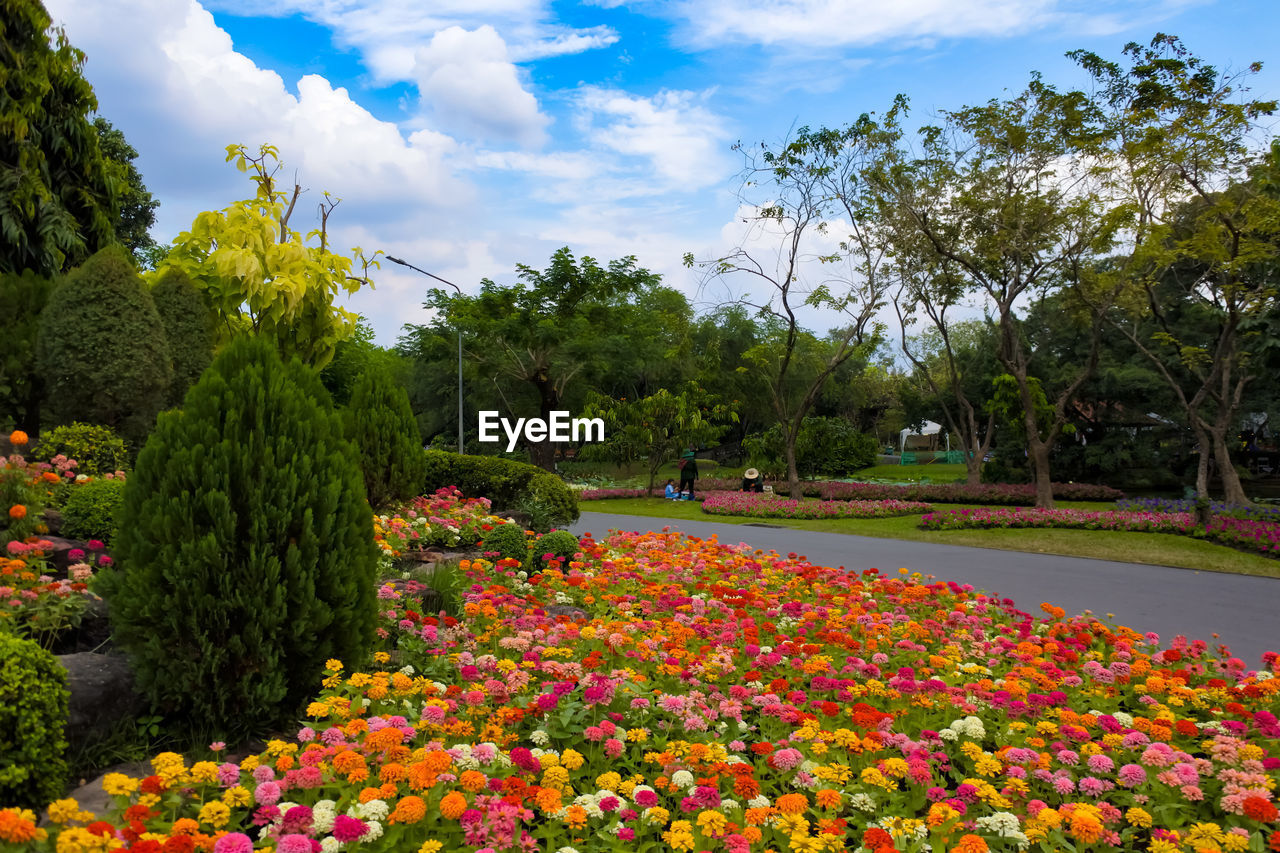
(809,24)
(683,143)
(388,33)
(468,82)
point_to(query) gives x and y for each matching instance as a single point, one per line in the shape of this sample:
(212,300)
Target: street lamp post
(461,437)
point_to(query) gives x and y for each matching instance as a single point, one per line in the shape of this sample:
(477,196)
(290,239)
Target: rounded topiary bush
(96,448)
(33,722)
(102,348)
(245,557)
(560,543)
(381,426)
(91,510)
(509,542)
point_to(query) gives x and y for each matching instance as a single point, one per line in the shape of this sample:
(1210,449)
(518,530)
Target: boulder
(59,558)
(52,520)
(102,695)
(520,517)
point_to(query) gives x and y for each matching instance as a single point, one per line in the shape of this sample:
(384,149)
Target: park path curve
(1243,610)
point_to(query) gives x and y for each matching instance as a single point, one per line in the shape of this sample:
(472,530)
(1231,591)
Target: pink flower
(266,793)
(1132,775)
(294,843)
(787,759)
(347,828)
(234,842)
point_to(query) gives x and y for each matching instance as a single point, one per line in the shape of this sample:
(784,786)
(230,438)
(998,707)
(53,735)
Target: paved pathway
(1243,610)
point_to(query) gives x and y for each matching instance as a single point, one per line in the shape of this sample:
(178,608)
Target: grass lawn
(1163,549)
(936,472)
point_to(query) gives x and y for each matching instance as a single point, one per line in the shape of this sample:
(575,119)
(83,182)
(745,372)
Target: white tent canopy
(929,428)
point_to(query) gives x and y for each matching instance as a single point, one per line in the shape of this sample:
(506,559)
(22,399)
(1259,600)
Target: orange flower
(15,828)
(408,810)
(828,799)
(970,844)
(17,438)
(575,817)
(473,780)
(17,511)
(453,805)
(792,803)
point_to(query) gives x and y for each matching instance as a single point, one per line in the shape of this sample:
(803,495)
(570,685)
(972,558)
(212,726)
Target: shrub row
(1246,534)
(510,485)
(761,506)
(1001,494)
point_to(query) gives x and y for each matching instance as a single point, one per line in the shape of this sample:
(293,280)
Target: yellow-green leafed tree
(265,278)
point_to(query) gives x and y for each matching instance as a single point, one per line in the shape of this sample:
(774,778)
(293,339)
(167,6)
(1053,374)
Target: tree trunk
(543,453)
(1039,452)
(793,473)
(1202,466)
(973,467)
(1232,490)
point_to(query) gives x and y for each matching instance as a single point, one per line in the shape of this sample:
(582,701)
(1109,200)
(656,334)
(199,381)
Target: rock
(59,559)
(102,695)
(52,520)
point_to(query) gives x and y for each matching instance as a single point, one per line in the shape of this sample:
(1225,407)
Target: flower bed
(759,506)
(1001,494)
(714,697)
(445,518)
(606,494)
(36,604)
(1253,511)
(1260,536)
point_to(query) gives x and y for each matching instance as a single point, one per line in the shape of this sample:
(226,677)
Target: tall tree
(22,299)
(814,188)
(266,278)
(1008,197)
(137,205)
(545,331)
(1204,233)
(59,196)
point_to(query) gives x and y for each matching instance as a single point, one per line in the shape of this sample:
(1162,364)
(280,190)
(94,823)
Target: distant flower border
(761,506)
(1261,537)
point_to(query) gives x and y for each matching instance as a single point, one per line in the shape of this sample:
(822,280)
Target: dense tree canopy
(59,195)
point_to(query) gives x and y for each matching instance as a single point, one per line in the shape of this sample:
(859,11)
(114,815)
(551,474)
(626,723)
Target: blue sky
(467,136)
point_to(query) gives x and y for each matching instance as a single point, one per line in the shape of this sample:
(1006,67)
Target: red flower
(1263,811)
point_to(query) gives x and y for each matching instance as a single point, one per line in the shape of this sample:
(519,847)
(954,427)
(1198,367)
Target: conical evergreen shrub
(102,349)
(188,327)
(382,427)
(245,557)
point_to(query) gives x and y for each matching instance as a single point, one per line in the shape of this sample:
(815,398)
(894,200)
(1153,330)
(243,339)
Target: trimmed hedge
(559,543)
(33,722)
(92,510)
(1004,494)
(508,484)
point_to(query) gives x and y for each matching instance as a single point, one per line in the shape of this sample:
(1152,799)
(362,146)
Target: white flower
(375,828)
(540,737)
(682,779)
(862,802)
(329,844)
(322,815)
(373,810)
(760,802)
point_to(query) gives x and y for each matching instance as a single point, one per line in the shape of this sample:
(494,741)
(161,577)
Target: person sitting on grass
(752,481)
(670,492)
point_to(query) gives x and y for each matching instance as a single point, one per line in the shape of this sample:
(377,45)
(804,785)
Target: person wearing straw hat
(688,473)
(752,481)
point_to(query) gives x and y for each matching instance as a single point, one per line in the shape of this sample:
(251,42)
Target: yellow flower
(1210,832)
(430,847)
(571,758)
(608,781)
(204,771)
(711,823)
(237,796)
(1138,817)
(119,785)
(215,814)
(333,665)
(65,811)
(656,815)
